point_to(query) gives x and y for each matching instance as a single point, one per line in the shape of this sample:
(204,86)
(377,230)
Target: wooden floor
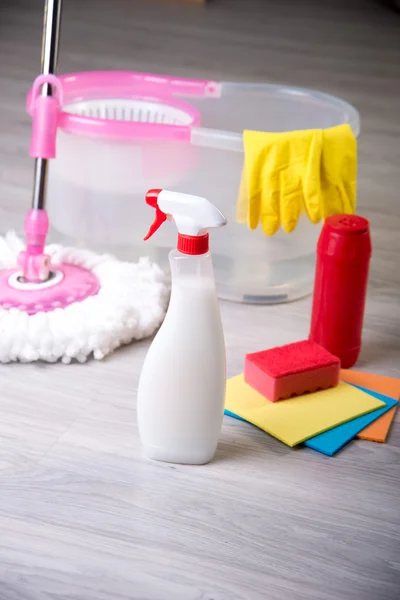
(82,515)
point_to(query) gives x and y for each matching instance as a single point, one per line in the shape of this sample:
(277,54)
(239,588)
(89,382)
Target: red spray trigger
(161,217)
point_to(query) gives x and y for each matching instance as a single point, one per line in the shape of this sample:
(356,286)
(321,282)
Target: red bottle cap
(345,237)
(347,224)
(193,244)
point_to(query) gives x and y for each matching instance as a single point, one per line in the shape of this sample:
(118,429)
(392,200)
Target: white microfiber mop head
(130,305)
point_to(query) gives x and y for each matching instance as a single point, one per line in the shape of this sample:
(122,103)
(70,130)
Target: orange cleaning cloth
(379,429)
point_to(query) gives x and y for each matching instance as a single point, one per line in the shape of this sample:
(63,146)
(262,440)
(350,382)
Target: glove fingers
(291,200)
(348,172)
(270,211)
(347,198)
(350,180)
(254,198)
(350,189)
(254,209)
(259,162)
(331,203)
(339,171)
(242,207)
(312,178)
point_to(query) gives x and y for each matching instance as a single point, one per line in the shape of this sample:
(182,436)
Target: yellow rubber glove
(339,171)
(287,173)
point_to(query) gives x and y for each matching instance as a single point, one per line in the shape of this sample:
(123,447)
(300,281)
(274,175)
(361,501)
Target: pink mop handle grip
(36,227)
(33,263)
(45,112)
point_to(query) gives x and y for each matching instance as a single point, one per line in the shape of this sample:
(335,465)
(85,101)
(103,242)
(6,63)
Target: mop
(63,303)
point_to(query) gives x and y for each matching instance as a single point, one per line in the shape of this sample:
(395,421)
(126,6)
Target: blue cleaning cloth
(331,441)
(229,413)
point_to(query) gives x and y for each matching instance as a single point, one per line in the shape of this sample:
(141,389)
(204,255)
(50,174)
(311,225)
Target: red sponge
(291,370)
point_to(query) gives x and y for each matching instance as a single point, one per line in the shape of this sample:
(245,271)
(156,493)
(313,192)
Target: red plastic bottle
(343,255)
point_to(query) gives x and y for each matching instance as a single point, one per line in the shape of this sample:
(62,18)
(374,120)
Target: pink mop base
(76,285)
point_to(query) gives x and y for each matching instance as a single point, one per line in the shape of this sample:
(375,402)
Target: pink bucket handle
(127,84)
(178,85)
(124,82)
(39,82)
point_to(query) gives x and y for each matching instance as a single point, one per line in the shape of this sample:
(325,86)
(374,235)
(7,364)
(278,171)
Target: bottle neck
(193,244)
(191,270)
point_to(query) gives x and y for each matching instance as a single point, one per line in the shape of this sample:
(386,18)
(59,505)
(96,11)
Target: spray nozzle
(192,215)
(161,217)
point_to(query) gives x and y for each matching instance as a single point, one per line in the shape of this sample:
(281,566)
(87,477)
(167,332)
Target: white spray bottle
(182,385)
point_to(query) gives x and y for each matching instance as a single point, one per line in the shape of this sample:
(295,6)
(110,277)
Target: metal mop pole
(34,264)
(49,60)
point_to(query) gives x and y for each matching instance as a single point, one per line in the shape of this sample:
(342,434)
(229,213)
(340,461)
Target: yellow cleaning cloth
(295,420)
(288,173)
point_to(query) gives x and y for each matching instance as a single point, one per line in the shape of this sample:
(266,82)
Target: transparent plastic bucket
(98,181)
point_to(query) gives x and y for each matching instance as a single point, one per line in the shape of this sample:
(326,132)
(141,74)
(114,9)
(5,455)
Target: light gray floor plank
(82,515)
